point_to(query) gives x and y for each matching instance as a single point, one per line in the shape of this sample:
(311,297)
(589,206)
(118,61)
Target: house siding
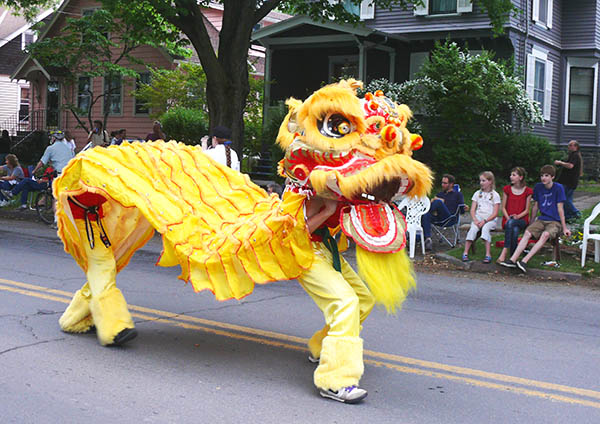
(9,93)
(11,55)
(403,21)
(580,28)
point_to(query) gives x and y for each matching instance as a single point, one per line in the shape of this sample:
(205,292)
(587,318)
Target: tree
(97,45)
(226,70)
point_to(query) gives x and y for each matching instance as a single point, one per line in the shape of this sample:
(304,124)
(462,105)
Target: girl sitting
(484,210)
(516,199)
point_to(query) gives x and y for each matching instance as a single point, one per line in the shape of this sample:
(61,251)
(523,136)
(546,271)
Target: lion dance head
(358,151)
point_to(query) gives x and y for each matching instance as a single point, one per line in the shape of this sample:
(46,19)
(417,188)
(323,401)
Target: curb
(482,268)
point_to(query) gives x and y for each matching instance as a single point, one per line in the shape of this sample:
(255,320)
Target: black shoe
(124,336)
(508,264)
(522,266)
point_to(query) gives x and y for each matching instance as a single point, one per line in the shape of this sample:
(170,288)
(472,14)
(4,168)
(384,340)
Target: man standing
(443,206)
(569,178)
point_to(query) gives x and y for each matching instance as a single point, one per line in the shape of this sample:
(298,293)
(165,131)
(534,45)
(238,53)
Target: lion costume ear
(289,127)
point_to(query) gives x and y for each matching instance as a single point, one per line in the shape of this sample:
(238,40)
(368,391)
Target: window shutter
(464,6)
(367,9)
(530,75)
(548,91)
(422,10)
(550,7)
(535,14)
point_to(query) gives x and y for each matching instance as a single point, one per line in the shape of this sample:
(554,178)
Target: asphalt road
(461,350)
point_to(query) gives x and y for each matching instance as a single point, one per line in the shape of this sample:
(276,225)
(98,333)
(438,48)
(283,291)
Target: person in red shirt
(516,201)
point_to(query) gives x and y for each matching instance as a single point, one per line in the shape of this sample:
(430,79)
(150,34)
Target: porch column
(392,77)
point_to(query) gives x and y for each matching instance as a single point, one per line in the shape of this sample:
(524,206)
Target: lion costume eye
(335,125)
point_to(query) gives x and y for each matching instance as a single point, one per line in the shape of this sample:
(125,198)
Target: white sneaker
(350,394)
(7,193)
(3,203)
(312,359)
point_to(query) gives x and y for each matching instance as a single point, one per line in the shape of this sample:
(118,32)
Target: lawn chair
(587,236)
(450,224)
(415,209)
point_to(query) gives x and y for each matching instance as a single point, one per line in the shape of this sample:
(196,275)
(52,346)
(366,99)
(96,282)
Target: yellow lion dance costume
(227,234)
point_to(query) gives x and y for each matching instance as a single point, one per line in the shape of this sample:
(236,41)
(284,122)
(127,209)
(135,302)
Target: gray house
(555,42)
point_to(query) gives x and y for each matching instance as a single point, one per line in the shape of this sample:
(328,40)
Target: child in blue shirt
(549,198)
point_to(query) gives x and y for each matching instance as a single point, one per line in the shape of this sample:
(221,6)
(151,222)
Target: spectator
(569,178)
(157,132)
(443,206)
(220,149)
(70,141)
(113,137)
(98,136)
(484,210)
(14,174)
(549,198)
(516,199)
(4,145)
(274,188)
(59,154)
(119,137)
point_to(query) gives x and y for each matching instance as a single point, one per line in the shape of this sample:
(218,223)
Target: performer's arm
(317,212)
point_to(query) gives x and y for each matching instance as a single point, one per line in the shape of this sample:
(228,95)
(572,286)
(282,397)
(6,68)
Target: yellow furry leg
(110,314)
(341,363)
(77,318)
(316,342)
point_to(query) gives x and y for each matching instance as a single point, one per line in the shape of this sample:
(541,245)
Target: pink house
(47,90)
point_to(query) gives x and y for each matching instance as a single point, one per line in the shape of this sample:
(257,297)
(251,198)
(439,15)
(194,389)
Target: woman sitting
(516,199)
(14,174)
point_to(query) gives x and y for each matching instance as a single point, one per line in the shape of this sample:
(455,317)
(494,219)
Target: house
(15,35)
(48,91)
(555,42)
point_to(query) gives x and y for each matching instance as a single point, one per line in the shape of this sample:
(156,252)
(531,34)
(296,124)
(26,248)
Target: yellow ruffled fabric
(225,232)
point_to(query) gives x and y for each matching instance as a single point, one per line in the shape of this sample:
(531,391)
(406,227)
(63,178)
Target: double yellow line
(517,385)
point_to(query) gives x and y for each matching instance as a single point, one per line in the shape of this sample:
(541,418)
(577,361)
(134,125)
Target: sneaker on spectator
(3,203)
(522,266)
(22,207)
(350,394)
(428,243)
(7,193)
(508,264)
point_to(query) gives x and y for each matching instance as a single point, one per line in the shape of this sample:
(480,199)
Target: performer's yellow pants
(346,302)
(99,302)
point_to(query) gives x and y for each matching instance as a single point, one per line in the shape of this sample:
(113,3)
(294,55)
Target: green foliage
(526,150)
(183,87)
(498,11)
(269,135)
(185,125)
(253,119)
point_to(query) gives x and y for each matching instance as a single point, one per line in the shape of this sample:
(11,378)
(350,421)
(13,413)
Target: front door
(52,104)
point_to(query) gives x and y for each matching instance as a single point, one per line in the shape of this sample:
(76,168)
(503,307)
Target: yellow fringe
(390,276)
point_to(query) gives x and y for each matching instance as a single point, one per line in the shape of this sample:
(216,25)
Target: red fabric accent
(87,199)
(516,204)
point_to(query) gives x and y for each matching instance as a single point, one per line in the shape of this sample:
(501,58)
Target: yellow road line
(190,322)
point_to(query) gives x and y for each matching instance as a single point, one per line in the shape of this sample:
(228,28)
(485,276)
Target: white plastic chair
(415,209)
(587,236)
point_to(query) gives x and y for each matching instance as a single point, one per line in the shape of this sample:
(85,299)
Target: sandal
(465,258)
(487,260)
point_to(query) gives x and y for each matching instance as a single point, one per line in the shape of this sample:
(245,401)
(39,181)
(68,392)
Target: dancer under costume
(346,159)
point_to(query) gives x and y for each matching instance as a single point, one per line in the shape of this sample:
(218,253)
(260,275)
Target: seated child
(516,199)
(549,197)
(484,210)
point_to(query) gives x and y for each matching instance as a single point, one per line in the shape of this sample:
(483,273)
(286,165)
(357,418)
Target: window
(542,12)
(84,94)
(141,107)
(343,67)
(582,77)
(539,80)
(417,59)
(24,104)
(113,94)
(27,38)
(90,12)
(443,7)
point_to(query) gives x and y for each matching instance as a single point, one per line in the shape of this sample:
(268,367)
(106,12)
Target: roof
(13,25)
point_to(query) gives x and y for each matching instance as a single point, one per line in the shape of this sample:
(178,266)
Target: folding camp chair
(450,224)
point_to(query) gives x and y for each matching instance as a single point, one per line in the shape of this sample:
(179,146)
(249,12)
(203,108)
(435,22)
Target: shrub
(526,150)
(185,125)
